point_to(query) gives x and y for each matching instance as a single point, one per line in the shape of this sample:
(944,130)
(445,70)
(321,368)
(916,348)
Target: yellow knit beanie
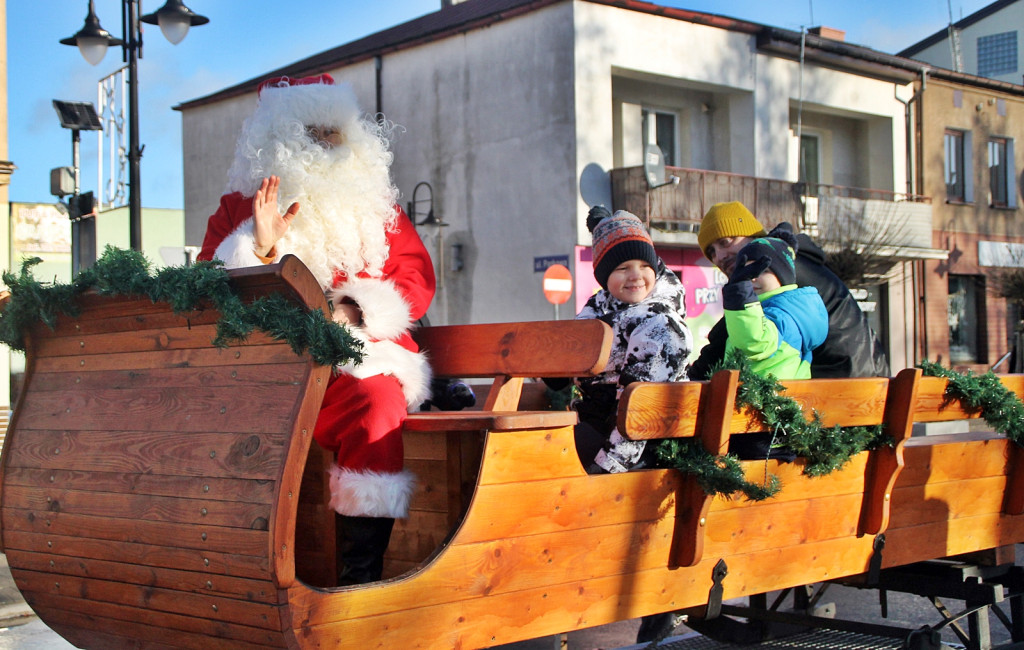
(731,219)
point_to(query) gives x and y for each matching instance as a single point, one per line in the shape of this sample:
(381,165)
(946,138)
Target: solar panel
(77,115)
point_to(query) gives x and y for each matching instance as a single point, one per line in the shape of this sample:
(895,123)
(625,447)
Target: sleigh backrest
(508,353)
(707,411)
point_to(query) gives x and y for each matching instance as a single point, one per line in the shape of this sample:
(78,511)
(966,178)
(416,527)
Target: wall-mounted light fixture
(412,207)
(430,219)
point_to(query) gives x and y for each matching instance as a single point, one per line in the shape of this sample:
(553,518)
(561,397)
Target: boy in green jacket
(772,321)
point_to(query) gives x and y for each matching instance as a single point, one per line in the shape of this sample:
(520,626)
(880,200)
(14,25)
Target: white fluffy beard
(345,195)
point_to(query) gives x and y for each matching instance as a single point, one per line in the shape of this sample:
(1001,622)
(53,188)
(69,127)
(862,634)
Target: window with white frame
(957,161)
(1001,176)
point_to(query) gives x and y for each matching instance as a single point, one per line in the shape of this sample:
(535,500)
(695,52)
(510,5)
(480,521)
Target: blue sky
(249,37)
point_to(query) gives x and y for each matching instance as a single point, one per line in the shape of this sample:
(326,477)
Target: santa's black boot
(362,542)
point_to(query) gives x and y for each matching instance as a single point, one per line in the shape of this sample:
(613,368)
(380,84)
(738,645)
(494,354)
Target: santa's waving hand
(269,225)
(307,145)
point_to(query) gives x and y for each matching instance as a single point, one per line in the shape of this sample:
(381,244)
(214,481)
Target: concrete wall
(488,122)
(208,146)
(486,118)
(945,105)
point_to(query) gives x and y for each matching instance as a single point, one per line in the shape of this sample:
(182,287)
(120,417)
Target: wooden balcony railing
(681,206)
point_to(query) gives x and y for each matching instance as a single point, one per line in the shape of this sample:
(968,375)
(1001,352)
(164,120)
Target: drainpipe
(908,132)
(922,304)
(801,172)
(920,326)
(378,64)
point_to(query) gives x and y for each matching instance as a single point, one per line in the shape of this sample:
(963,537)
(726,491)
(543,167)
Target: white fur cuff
(371,494)
(411,369)
(237,249)
(385,311)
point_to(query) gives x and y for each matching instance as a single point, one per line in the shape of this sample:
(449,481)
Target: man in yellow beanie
(726,228)
(851,348)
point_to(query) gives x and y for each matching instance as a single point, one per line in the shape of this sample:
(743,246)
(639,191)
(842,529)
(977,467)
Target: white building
(984,43)
(520,114)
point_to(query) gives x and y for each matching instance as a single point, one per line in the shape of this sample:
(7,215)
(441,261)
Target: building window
(966,313)
(1001,174)
(661,128)
(997,54)
(957,166)
(997,172)
(810,162)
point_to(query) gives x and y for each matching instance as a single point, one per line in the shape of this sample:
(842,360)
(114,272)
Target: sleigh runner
(158,491)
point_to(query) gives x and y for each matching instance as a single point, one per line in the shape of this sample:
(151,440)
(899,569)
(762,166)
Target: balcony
(869,221)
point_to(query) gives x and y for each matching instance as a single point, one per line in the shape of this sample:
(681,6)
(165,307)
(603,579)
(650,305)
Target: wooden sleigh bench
(157,491)
(869,525)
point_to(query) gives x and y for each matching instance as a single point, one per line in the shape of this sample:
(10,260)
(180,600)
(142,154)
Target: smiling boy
(643,302)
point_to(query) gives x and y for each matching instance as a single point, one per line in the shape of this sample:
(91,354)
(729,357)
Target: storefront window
(966,314)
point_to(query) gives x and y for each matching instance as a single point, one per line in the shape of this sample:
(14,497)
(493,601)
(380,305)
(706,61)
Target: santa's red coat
(365,404)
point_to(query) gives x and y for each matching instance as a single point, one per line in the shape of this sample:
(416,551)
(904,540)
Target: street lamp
(92,41)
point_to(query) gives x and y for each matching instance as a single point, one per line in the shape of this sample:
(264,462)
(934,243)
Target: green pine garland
(826,449)
(983,394)
(185,288)
(715,474)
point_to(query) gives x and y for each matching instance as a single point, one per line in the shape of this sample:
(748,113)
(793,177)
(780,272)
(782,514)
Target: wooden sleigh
(161,492)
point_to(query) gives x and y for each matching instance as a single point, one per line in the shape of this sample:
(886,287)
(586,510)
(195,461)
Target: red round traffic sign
(557,284)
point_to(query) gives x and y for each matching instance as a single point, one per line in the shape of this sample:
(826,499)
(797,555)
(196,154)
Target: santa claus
(308,147)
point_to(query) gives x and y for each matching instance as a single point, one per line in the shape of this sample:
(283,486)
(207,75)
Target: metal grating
(815,640)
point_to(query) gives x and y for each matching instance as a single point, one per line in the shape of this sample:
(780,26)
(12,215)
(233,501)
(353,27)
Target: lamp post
(174,19)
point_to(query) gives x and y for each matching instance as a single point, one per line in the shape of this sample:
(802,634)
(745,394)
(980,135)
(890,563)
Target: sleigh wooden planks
(159,492)
(143,484)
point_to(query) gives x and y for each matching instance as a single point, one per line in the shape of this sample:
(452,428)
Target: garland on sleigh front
(983,394)
(185,288)
(826,449)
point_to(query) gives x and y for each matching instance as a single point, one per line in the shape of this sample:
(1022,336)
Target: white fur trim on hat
(237,249)
(385,311)
(311,104)
(371,494)
(411,369)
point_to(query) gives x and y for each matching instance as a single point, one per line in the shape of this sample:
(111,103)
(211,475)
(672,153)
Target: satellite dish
(654,168)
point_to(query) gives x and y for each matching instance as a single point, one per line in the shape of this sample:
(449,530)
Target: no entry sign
(557,284)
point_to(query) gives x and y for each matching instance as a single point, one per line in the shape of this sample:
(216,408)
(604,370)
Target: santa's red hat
(285,82)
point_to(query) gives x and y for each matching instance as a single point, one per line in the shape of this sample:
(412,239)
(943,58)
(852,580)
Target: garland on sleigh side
(983,394)
(826,449)
(185,288)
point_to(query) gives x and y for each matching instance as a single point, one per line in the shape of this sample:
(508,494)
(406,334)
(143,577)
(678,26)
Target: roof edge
(463,17)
